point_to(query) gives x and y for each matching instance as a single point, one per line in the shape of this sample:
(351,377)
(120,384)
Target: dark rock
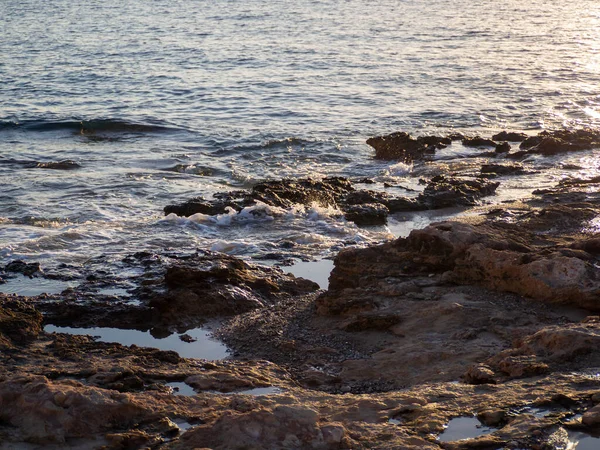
(511,136)
(531,141)
(27,269)
(479,374)
(403,204)
(402,146)
(214,284)
(202,206)
(561,141)
(367,214)
(288,192)
(456,136)
(503,169)
(478,142)
(20,323)
(503,147)
(552,146)
(443,192)
(56,165)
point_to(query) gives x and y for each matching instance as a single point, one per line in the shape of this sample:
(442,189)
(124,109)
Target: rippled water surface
(145,103)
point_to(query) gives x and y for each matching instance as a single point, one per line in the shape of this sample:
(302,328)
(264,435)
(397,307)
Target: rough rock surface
(402,146)
(364,207)
(212,284)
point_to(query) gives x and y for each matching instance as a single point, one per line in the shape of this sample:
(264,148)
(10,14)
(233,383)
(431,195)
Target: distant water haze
(111,110)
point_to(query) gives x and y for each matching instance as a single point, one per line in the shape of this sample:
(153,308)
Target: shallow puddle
(261,391)
(581,441)
(317,271)
(183,425)
(461,428)
(402,224)
(114,291)
(30,287)
(204,347)
(180,388)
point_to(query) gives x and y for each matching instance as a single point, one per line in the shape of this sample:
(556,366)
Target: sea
(111,110)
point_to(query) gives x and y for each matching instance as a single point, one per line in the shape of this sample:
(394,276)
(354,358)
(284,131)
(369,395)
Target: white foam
(398,170)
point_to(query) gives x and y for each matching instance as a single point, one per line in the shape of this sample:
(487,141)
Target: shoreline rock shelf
(364,207)
(493,319)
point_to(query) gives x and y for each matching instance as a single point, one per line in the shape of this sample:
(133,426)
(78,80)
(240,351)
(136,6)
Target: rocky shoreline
(493,318)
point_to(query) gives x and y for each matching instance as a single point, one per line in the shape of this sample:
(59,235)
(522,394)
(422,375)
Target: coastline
(493,316)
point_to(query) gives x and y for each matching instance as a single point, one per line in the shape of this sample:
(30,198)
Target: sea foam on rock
(364,207)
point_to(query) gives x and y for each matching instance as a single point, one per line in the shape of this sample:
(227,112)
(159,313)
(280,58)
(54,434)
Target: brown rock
(591,417)
(479,374)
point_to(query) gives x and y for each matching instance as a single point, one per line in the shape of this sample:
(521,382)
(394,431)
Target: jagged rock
(213,284)
(20,323)
(202,206)
(367,214)
(492,417)
(503,169)
(402,146)
(478,142)
(27,269)
(47,412)
(561,141)
(479,374)
(511,136)
(503,147)
(286,193)
(442,192)
(591,417)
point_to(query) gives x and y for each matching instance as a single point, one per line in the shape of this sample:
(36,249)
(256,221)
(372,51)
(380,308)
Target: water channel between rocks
(461,428)
(204,346)
(30,287)
(317,271)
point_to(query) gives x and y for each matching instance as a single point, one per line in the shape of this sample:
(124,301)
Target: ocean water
(146,103)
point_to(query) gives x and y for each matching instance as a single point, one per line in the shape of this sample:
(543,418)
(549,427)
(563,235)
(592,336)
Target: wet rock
(201,206)
(478,142)
(492,417)
(367,214)
(443,192)
(66,164)
(287,193)
(561,141)
(27,269)
(20,323)
(503,147)
(402,146)
(503,169)
(591,417)
(213,284)
(511,136)
(530,142)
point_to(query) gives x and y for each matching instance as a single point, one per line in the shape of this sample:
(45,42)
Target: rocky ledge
(364,207)
(492,322)
(402,146)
